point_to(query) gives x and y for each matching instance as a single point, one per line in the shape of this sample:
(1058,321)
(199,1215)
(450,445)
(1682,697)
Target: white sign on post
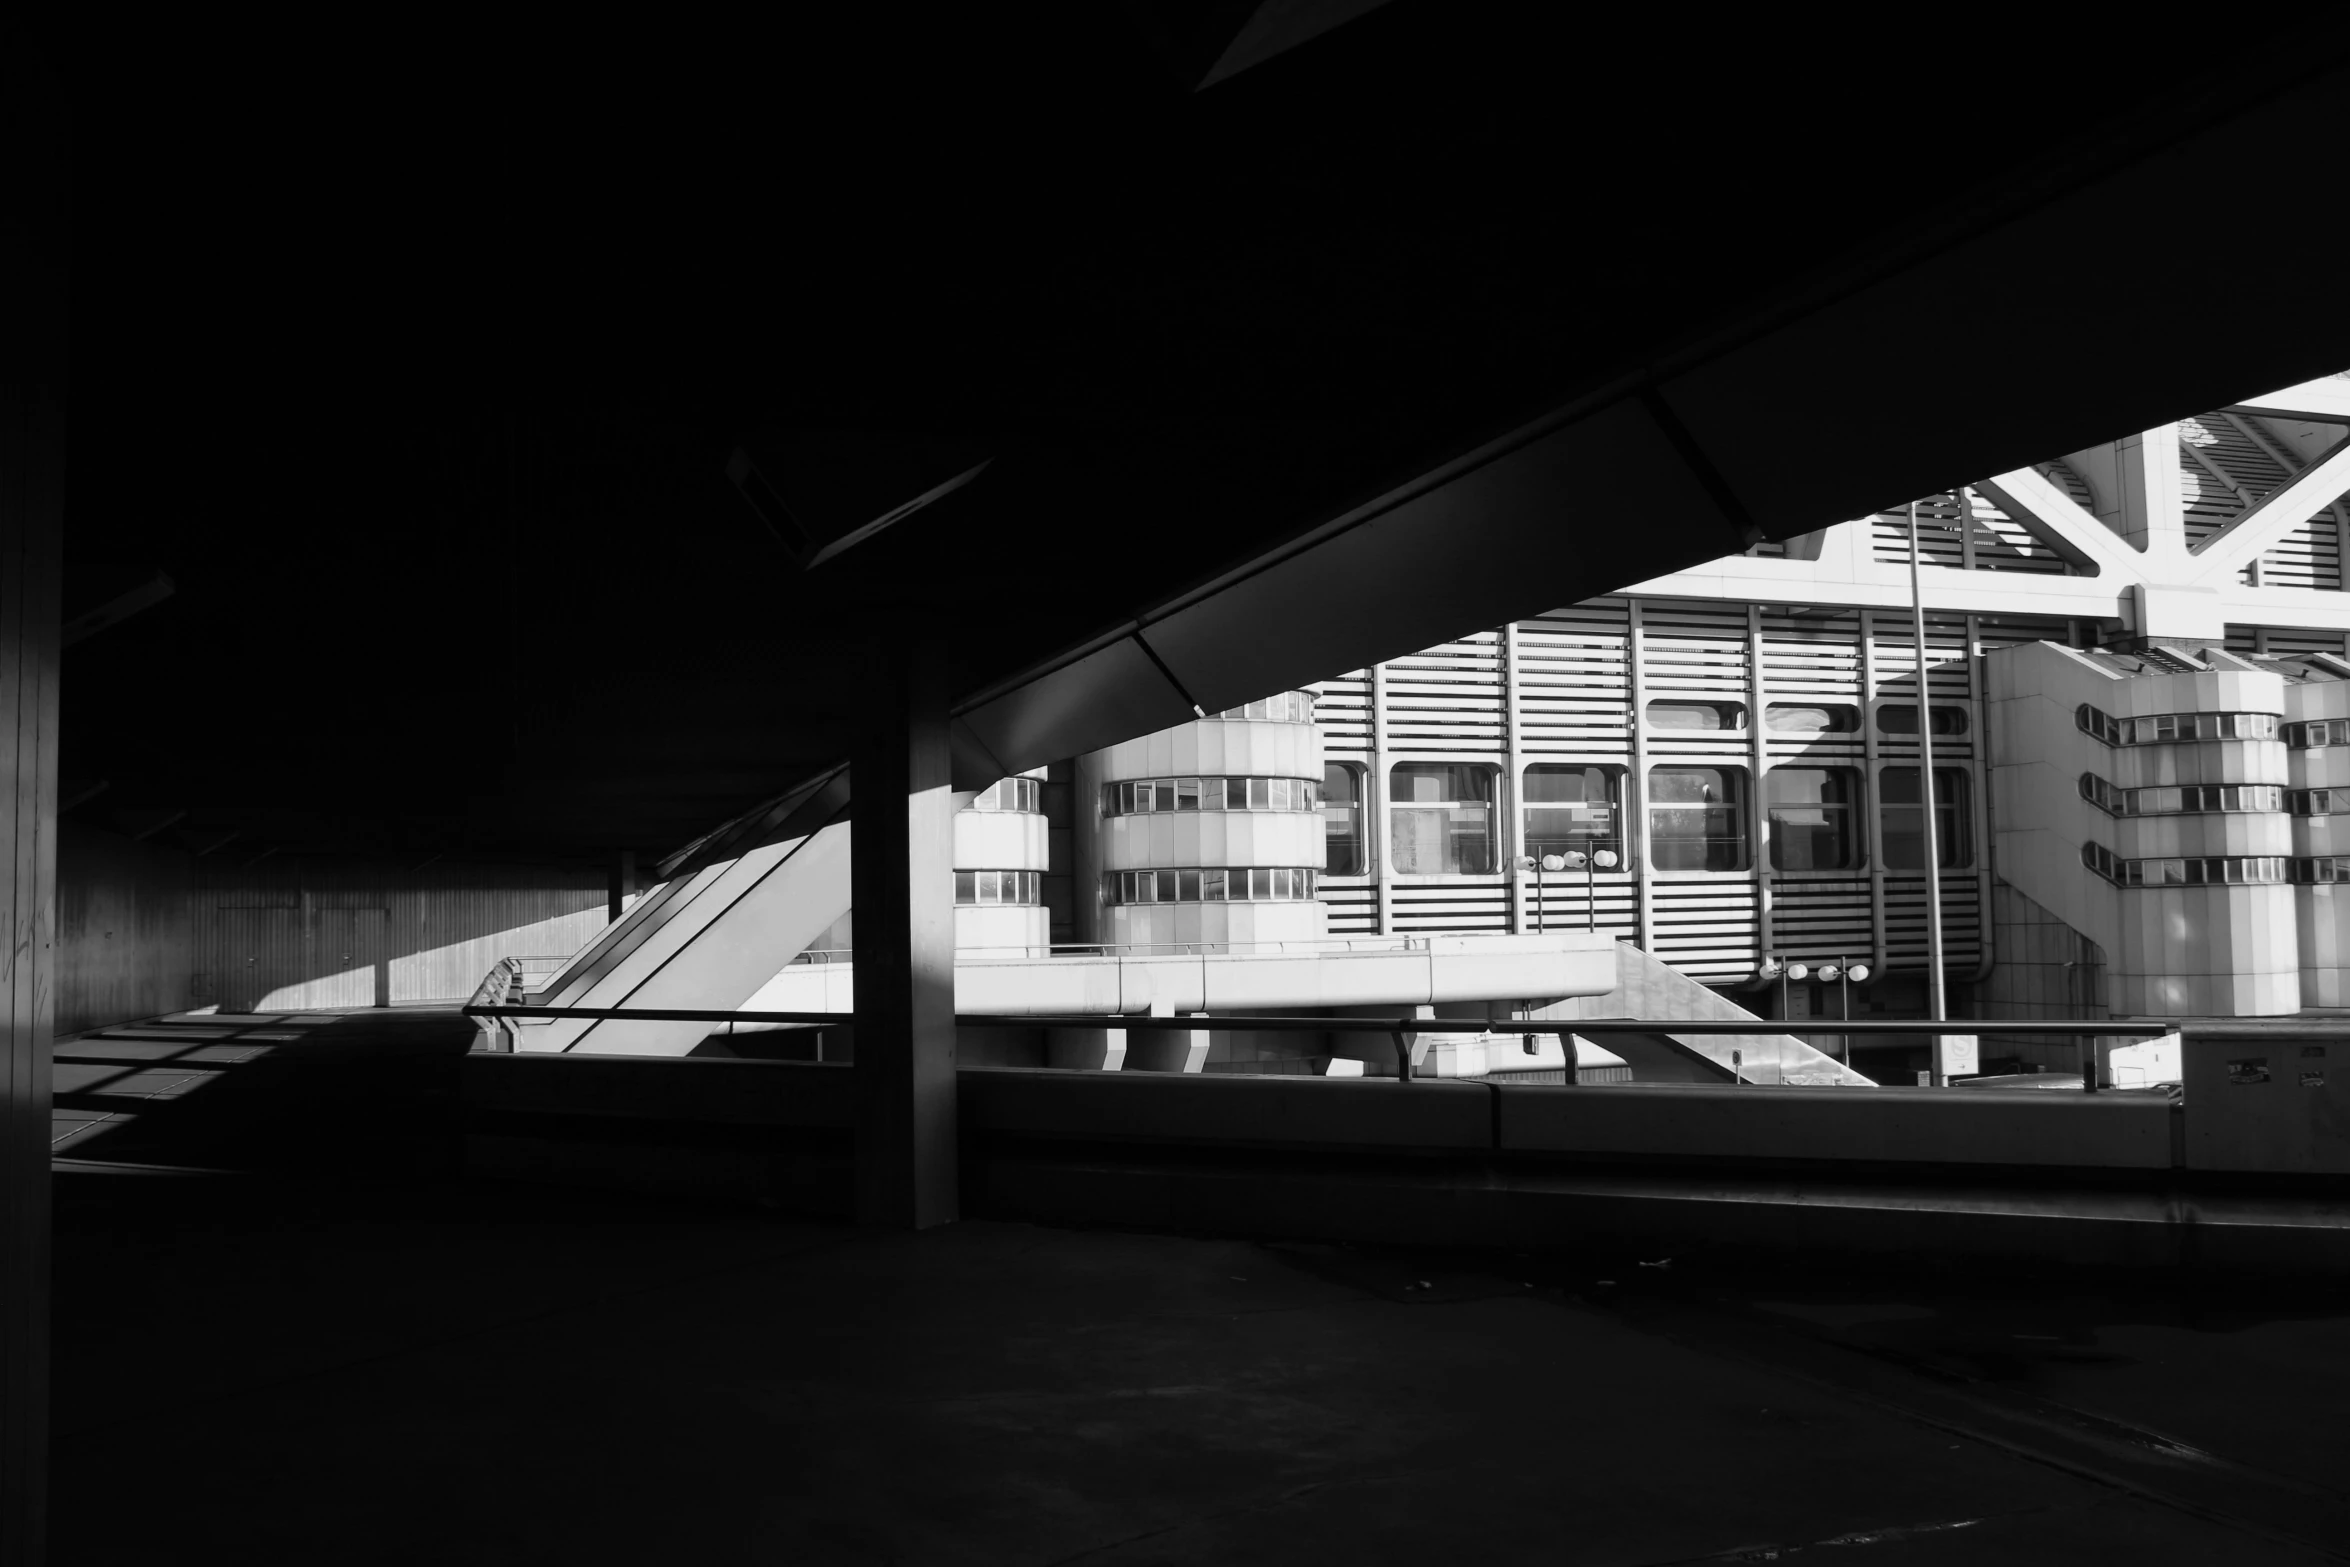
(1961,1056)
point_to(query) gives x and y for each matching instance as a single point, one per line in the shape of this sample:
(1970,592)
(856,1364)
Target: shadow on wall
(144,930)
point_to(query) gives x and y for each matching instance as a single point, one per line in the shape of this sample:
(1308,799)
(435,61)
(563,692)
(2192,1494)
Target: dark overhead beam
(1203,42)
(143,825)
(119,608)
(1973,349)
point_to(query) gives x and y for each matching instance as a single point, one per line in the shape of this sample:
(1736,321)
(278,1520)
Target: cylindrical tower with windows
(1001,855)
(1206,835)
(2317,739)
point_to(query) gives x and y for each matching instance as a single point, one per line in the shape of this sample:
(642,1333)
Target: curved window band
(1149,796)
(2247,870)
(2182,799)
(1234,884)
(1010,794)
(2317,733)
(2174,728)
(983,889)
(1290,707)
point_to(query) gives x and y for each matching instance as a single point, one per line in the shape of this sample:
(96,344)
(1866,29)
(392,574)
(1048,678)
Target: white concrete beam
(2058,521)
(2327,397)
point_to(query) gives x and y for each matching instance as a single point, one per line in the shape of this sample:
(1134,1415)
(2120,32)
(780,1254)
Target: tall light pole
(1844,976)
(1935,1006)
(1577,859)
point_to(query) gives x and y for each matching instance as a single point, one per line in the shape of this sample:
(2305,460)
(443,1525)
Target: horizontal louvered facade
(1613,686)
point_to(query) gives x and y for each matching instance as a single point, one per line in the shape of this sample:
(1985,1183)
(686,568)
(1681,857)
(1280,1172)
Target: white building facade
(1746,740)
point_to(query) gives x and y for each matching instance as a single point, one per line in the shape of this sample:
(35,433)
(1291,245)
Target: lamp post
(1843,976)
(1935,1007)
(1790,971)
(1590,864)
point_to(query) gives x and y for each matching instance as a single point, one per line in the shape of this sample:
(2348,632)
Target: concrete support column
(1086,1049)
(1375,840)
(1166,1050)
(620,884)
(902,892)
(32,445)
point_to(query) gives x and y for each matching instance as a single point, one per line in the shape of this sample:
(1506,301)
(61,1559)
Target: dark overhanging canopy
(421,382)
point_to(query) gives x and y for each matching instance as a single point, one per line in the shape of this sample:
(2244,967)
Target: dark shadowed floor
(344,1358)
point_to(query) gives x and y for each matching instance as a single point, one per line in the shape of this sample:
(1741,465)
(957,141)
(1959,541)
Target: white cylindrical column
(1209,835)
(1002,850)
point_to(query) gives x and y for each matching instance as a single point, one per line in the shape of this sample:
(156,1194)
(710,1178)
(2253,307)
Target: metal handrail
(1404,1029)
(2283,1027)
(1123,949)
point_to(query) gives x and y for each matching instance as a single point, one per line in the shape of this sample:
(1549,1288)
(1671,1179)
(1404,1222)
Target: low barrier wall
(1680,1121)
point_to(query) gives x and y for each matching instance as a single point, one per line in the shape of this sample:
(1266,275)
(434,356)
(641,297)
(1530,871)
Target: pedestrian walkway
(286,1334)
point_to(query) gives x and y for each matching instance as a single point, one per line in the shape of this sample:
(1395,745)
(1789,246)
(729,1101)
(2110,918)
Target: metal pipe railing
(1403,1029)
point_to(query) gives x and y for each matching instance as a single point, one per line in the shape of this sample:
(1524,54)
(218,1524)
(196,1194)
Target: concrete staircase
(1647,988)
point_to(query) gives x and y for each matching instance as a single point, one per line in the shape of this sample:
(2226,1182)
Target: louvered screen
(1905,921)
(2285,640)
(1342,711)
(1353,908)
(1815,918)
(1940,541)
(1574,681)
(1448,698)
(2003,544)
(2067,479)
(1467,906)
(1706,929)
(1976,535)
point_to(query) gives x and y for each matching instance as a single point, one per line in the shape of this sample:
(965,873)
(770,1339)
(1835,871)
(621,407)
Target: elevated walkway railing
(1404,1028)
(509,983)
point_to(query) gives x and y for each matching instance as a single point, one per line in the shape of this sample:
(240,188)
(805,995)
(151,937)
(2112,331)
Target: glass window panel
(1236,794)
(1442,821)
(1903,828)
(1811,817)
(1342,821)
(1211,886)
(1187,794)
(1260,883)
(1809,719)
(1697,818)
(1697,715)
(964,892)
(1573,808)
(1187,886)
(1260,794)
